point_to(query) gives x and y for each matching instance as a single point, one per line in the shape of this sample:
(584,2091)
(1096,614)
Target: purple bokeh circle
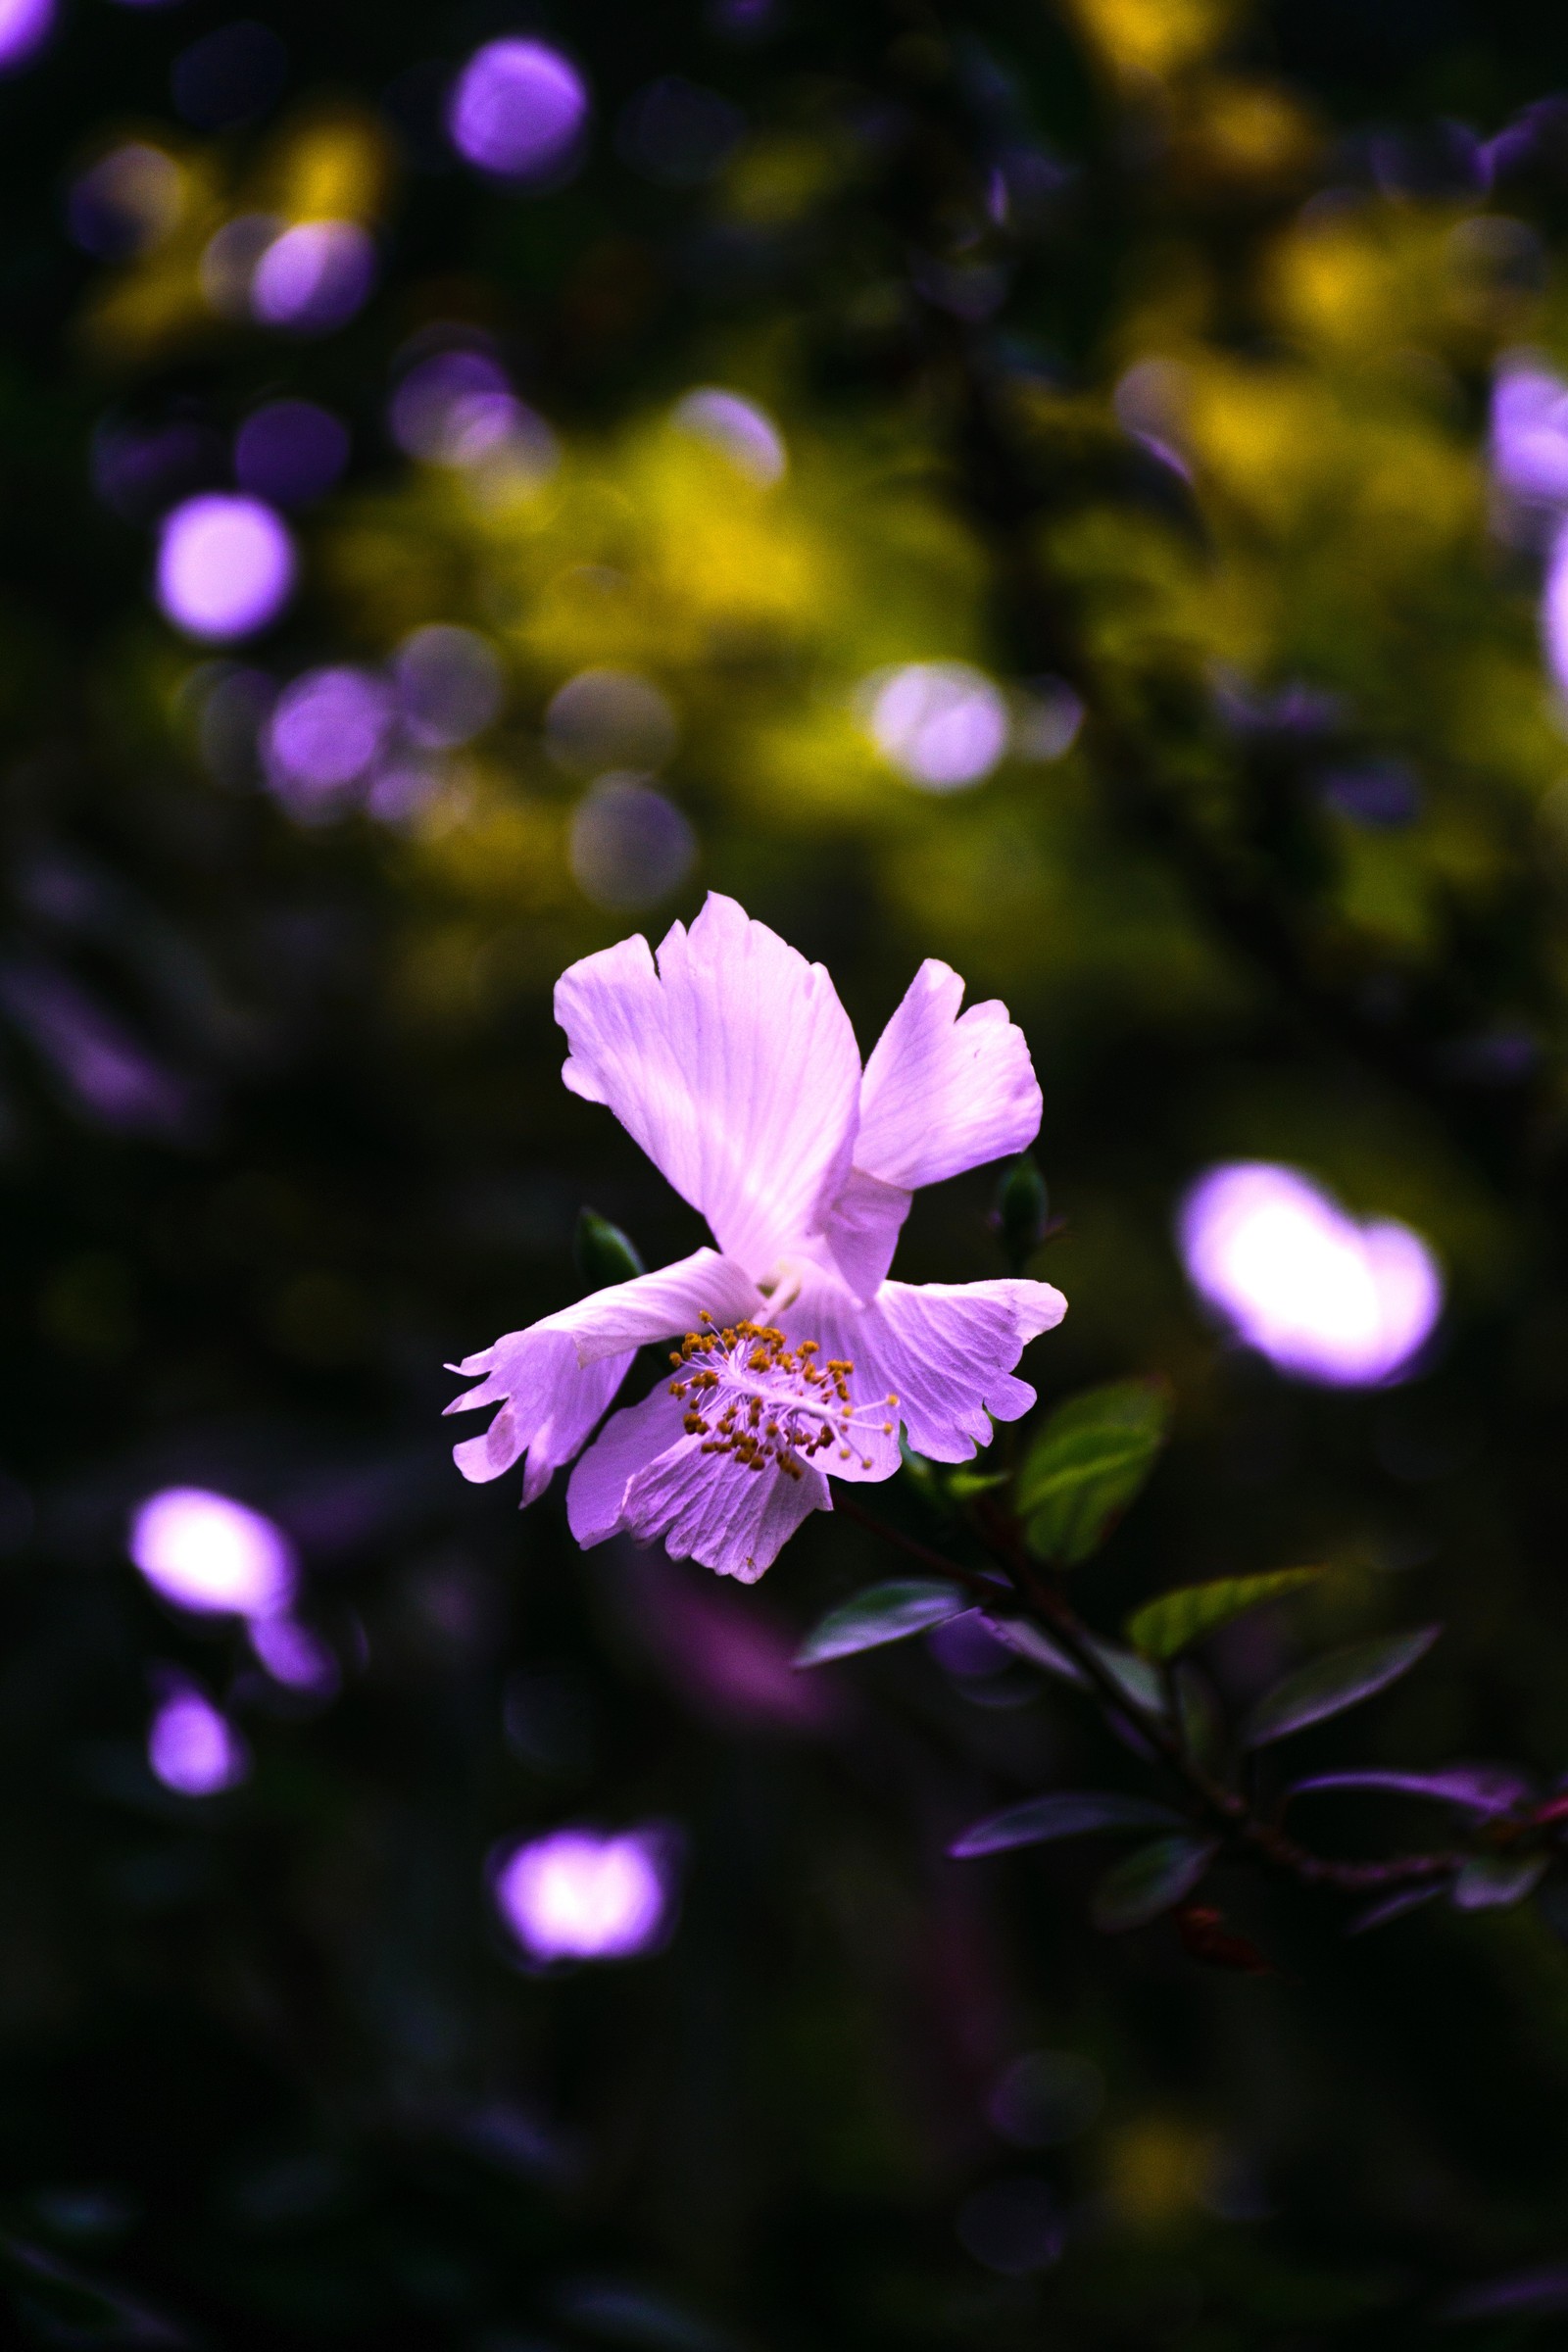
(25,26)
(207,1553)
(517,109)
(577,1894)
(314,278)
(226,567)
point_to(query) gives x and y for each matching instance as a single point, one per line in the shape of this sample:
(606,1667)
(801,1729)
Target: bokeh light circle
(738,428)
(517,109)
(211,1554)
(127,201)
(314,278)
(1321,1296)
(609,719)
(581,1895)
(450,685)
(226,567)
(193,1749)
(629,846)
(457,408)
(942,725)
(25,26)
(328,728)
(1529,429)
(295,1656)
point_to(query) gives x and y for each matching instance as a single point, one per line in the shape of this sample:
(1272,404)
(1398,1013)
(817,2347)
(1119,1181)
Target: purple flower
(733,1064)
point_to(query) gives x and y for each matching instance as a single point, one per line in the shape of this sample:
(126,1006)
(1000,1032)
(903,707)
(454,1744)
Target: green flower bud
(602,1252)
(1022,1212)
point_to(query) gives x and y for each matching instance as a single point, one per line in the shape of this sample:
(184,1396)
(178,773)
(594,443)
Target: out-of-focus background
(1073,487)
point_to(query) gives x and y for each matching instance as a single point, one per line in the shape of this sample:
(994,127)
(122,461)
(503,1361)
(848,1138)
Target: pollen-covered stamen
(750,1394)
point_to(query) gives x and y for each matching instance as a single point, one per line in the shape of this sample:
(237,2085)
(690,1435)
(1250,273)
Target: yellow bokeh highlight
(779,177)
(1151,39)
(1369,278)
(1156,2171)
(336,166)
(1234,130)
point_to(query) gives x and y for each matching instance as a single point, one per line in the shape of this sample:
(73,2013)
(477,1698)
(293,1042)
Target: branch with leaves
(1031,1527)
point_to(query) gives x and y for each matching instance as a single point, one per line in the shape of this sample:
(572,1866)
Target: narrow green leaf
(1064,1813)
(1389,1907)
(1162,1629)
(1087,1464)
(882,1613)
(1493,1882)
(1153,1878)
(1026,1641)
(1138,1681)
(1328,1684)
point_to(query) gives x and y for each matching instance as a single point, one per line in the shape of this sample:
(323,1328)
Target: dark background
(270,2073)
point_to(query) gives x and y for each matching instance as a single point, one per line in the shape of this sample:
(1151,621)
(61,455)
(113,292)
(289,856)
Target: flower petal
(645,1478)
(709,1508)
(863,1231)
(558,1377)
(662,1306)
(945,1351)
(942,1094)
(630,1441)
(547,1413)
(733,1065)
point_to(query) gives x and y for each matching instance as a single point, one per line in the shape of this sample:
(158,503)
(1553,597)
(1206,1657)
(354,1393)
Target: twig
(1233,1820)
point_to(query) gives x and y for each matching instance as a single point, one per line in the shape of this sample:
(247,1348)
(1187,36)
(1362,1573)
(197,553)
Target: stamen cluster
(750,1394)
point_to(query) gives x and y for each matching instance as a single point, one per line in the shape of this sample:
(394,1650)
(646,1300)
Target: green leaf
(1493,1881)
(1389,1907)
(1065,1813)
(882,1613)
(1199,1718)
(1026,1641)
(1087,1464)
(1138,1681)
(964,1484)
(602,1252)
(1328,1684)
(1162,1629)
(1151,1881)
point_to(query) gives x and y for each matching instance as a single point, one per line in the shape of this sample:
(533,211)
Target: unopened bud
(1022,1212)
(602,1252)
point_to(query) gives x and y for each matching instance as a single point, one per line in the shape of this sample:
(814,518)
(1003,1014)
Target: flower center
(750,1394)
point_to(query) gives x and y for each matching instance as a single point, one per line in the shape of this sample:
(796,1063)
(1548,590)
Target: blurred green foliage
(1138,352)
